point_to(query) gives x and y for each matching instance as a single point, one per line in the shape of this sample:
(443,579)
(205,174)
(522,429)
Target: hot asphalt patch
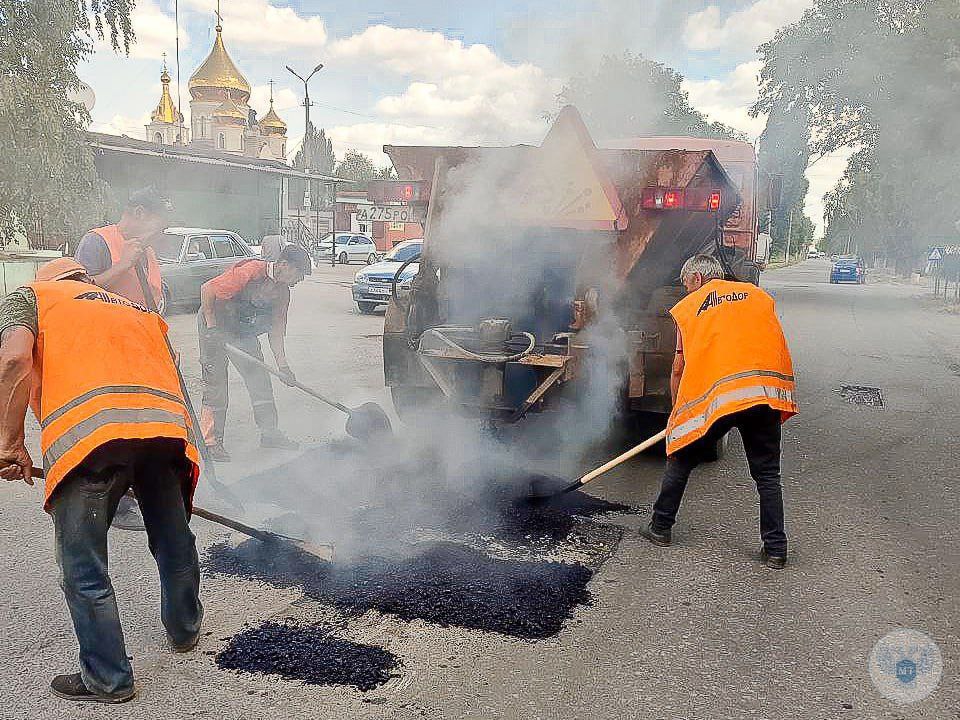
(442,583)
(309,654)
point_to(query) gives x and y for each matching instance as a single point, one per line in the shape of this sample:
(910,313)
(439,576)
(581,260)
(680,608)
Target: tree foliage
(316,152)
(48,182)
(356,166)
(628,95)
(880,76)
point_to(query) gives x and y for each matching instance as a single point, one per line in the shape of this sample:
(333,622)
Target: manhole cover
(861,395)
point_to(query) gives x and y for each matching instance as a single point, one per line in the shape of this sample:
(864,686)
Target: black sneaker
(661,538)
(217,453)
(186,646)
(277,440)
(71,687)
(128,515)
(777,562)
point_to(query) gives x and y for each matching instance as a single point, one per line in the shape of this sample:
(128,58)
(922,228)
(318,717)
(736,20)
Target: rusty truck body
(540,264)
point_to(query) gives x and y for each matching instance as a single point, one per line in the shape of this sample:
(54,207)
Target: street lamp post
(308,147)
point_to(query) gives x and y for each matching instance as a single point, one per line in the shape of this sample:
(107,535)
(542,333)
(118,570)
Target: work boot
(662,538)
(277,440)
(128,515)
(71,687)
(777,562)
(186,646)
(217,453)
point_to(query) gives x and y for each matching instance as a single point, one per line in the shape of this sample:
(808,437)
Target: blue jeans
(759,428)
(82,507)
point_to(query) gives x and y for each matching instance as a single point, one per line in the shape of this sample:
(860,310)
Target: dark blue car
(848,270)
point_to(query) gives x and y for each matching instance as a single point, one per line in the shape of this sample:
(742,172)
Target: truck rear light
(713,203)
(654,198)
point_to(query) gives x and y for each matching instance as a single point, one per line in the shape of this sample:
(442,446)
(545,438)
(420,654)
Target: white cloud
(264,26)
(284,99)
(728,99)
(369,138)
(124,125)
(743,29)
(823,176)
(464,91)
(155,33)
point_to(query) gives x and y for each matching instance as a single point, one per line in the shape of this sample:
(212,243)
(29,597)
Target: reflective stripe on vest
(748,373)
(103,372)
(751,392)
(85,428)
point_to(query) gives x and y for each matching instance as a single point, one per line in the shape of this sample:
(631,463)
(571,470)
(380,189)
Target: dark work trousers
(759,428)
(213,368)
(82,507)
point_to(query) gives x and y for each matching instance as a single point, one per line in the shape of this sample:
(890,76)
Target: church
(220,117)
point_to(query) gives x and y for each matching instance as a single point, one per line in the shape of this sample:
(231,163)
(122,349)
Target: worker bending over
(732,369)
(110,421)
(237,307)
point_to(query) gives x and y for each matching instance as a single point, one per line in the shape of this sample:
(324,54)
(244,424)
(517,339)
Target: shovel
(322,551)
(366,422)
(539,493)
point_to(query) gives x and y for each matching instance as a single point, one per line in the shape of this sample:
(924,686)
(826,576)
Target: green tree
(48,183)
(356,166)
(385,173)
(316,152)
(879,76)
(629,95)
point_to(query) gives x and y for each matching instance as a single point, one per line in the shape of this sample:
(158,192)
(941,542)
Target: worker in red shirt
(248,300)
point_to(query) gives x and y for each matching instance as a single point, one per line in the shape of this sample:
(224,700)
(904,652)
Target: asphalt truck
(542,266)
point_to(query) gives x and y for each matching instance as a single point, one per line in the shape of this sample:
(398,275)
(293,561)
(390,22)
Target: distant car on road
(373,286)
(848,270)
(188,257)
(814,254)
(350,247)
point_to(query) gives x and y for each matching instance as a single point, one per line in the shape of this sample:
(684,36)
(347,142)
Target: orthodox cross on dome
(219,17)
(270,83)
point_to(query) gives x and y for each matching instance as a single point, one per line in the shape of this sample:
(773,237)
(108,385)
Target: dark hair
(151,200)
(296,256)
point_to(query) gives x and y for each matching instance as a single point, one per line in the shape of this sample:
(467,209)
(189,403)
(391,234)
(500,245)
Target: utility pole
(789,237)
(307,147)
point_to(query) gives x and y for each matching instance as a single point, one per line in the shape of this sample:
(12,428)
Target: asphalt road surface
(696,631)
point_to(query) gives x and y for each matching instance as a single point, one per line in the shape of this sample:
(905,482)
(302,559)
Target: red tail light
(713,203)
(697,199)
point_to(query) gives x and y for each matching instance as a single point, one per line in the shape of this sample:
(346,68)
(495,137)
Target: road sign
(935,255)
(388,213)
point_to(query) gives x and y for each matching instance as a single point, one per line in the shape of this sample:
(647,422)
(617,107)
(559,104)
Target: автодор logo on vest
(713,300)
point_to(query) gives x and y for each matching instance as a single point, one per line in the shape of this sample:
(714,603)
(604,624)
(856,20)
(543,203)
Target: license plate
(380,291)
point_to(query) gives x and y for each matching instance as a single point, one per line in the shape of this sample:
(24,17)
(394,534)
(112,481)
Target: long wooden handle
(292,383)
(619,459)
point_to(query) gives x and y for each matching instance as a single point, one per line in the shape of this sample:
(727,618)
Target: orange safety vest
(735,357)
(102,372)
(128,284)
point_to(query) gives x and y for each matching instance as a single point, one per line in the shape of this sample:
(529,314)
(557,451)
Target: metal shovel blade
(368,422)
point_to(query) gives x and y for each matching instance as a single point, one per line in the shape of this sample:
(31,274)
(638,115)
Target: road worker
(732,369)
(248,300)
(110,422)
(111,255)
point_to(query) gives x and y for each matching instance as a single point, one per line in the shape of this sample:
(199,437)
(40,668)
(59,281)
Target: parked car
(373,285)
(350,247)
(848,270)
(189,257)
(814,254)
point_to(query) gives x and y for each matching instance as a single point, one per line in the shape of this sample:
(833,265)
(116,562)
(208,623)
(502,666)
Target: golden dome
(231,110)
(219,73)
(271,121)
(166,111)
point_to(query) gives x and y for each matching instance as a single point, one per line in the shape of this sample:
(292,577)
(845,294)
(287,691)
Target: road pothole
(861,395)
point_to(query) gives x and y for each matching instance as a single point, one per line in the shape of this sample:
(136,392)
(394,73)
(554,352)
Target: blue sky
(439,72)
